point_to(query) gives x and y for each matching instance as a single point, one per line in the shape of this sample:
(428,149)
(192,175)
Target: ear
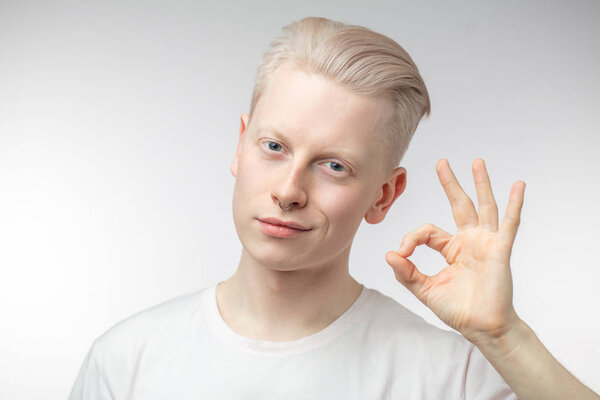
(388,193)
(243,127)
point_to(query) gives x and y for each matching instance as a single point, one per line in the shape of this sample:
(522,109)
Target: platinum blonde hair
(355,57)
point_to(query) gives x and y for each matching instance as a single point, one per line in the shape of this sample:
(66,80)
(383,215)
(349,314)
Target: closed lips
(289,224)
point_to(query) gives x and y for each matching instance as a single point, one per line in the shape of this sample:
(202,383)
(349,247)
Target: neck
(268,304)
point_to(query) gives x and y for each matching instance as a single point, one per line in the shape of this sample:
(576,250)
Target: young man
(333,111)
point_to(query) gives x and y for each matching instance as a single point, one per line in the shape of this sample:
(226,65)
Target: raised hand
(473,294)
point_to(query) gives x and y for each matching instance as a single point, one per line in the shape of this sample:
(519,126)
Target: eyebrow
(338,153)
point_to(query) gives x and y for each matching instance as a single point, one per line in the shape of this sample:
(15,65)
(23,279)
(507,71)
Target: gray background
(119,121)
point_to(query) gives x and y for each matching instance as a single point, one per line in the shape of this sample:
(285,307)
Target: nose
(290,189)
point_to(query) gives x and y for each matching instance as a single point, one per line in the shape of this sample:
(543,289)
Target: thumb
(406,273)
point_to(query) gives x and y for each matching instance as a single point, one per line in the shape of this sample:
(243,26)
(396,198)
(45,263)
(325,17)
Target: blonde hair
(355,57)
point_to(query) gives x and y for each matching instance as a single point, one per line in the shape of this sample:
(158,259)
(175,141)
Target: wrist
(498,346)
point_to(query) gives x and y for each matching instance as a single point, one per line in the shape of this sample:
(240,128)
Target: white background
(119,121)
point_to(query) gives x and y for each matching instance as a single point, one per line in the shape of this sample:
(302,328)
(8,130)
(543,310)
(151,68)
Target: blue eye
(270,147)
(339,165)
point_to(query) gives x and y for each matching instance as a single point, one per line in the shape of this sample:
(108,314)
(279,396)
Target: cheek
(250,176)
(246,186)
(344,206)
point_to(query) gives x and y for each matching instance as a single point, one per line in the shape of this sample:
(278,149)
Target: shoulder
(133,344)
(429,359)
(150,324)
(394,322)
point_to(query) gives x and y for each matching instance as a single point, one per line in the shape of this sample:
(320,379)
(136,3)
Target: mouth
(287,224)
(280,231)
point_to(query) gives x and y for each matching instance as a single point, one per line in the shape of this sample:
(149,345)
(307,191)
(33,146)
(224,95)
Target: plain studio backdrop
(119,122)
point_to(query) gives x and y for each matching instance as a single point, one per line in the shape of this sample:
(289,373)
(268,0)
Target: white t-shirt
(378,349)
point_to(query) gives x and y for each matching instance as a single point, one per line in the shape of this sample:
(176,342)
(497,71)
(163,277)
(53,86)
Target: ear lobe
(389,192)
(399,184)
(234,164)
(233,168)
(243,128)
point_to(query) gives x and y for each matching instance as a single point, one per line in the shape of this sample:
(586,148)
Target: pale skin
(286,289)
(473,294)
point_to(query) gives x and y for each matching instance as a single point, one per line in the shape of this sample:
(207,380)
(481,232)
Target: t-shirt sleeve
(91,383)
(482,381)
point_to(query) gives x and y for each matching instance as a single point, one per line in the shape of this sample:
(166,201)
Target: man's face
(316,145)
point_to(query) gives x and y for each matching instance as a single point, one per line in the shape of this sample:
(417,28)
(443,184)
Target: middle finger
(463,208)
(488,209)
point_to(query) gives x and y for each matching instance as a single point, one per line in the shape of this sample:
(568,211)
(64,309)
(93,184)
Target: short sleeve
(91,383)
(482,381)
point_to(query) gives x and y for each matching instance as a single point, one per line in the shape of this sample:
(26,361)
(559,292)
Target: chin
(275,256)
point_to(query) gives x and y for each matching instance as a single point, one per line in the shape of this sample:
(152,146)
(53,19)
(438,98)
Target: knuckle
(514,221)
(491,205)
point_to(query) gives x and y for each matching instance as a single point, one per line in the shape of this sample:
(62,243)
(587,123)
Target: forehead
(315,109)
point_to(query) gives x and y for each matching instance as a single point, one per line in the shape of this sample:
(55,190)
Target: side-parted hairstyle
(355,57)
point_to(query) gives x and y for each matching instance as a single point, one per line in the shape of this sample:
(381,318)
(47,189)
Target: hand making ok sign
(473,294)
